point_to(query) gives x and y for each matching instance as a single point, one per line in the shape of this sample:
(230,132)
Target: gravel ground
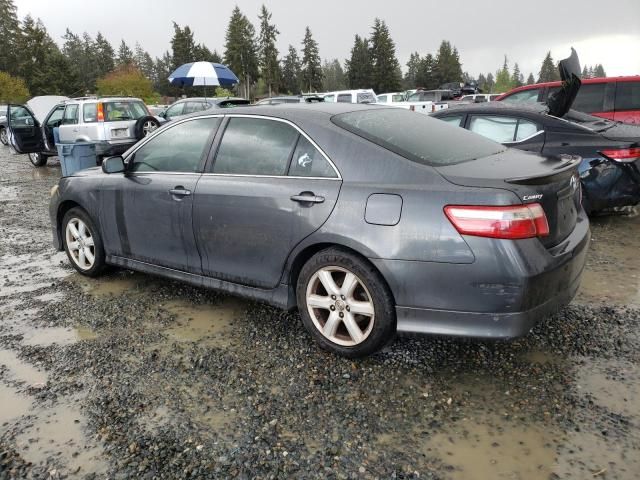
(132,376)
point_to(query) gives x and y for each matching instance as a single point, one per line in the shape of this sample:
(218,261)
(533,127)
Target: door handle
(180,192)
(307,197)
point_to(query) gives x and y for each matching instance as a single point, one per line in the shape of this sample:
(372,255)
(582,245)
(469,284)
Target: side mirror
(163,114)
(113,165)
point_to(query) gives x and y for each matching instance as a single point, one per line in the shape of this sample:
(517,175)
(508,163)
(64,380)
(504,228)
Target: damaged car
(610,151)
(367,220)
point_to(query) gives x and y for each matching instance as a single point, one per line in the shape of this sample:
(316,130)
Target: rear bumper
(503,294)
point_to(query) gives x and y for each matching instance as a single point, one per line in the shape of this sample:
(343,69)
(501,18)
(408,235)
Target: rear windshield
(233,103)
(124,110)
(366,98)
(417,137)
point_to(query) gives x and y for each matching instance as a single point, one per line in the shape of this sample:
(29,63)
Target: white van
(351,96)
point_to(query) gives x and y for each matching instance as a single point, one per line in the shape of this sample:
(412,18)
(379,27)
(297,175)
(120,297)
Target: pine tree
(385,64)
(359,67)
(517,79)
(311,69)
(9,37)
(125,55)
(104,56)
(482,83)
(491,83)
(183,46)
(447,67)
(585,72)
(161,71)
(548,70)
(503,79)
(269,64)
(531,80)
(240,51)
(412,71)
(291,72)
(426,74)
(599,72)
(201,53)
(333,77)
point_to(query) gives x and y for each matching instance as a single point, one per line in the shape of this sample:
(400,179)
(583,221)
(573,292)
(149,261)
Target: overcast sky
(606,32)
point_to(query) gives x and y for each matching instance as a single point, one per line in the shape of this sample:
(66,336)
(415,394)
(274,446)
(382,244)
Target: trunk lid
(560,101)
(552,182)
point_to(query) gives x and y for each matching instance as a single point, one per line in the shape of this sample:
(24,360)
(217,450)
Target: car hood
(560,102)
(41,106)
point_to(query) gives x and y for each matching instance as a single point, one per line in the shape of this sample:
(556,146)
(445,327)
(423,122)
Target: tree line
(32,63)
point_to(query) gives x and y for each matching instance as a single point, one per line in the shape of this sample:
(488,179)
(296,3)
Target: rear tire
(82,242)
(345,303)
(38,159)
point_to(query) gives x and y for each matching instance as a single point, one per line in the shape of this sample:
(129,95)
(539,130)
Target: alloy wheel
(80,243)
(340,306)
(4,138)
(148,127)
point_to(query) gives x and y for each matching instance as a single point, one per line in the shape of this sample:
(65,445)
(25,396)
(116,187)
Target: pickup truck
(424,101)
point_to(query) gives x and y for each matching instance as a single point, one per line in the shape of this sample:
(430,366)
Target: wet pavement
(131,376)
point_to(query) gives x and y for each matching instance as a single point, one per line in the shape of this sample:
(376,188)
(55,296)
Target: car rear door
(25,133)
(268,188)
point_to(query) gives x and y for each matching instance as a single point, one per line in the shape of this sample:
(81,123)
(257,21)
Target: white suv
(351,96)
(113,123)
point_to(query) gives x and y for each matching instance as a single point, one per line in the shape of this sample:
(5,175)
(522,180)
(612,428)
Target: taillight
(412,108)
(100,110)
(623,155)
(508,222)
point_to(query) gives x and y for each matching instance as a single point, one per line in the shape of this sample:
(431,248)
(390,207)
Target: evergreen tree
(517,79)
(599,72)
(240,51)
(125,55)
(183,46)
(531,80)
(426,75)
(482,83)
(413,66)
(585,72)
(359,67)
(548,70)
(311,69)
(503,78)
(291,72)
(104,56)
(269,65)
(202,54)
(143,62)
(9,37)
(385,76)
(162,68)
(447,67)
(491,83)
(333,77)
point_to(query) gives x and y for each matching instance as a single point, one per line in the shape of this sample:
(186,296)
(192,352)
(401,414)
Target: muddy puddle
(13,405)
(210,324)
(28,273)
(113,285)
(613,268)
(20,371)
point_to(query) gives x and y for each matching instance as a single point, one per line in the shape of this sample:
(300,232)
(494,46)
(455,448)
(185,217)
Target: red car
(615,98)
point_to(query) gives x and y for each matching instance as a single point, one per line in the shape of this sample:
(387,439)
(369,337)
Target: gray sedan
(368,220)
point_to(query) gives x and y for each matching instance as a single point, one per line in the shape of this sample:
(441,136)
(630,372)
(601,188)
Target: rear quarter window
(417,137)
(627,96)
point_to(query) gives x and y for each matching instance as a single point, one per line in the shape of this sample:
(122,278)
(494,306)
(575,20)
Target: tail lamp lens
(623,155)
(100,110)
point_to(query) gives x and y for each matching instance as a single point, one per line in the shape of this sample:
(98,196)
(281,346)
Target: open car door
(25,134)
(560,101)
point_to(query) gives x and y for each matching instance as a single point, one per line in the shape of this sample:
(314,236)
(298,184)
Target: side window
(344,98)
(308,162)
(56,116)
(525,129)
(254,146)
(499,129)
(382,98)
(627,96)
(523,96)
(397,98)
(175,110)
(70,116)
(90,112)
(590,98)
(455,120)
(177,149)
(330,98)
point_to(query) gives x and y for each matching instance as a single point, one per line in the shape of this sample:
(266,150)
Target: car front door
(149,207)
(25,133)
(511,131)
(268,188)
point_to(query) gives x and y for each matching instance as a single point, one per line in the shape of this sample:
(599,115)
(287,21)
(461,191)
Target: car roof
(628,78)
(209,99)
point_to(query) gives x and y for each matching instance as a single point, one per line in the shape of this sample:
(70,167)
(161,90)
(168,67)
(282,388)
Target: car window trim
(223,126)
(524,139)
(205,154)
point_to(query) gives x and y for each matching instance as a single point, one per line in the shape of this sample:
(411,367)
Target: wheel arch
(63,208)
(309,251)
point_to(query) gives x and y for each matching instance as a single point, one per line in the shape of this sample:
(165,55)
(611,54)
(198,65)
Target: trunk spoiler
(560,102)
(565,168)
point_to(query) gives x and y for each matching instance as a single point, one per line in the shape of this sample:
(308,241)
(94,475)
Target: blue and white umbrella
(203,74)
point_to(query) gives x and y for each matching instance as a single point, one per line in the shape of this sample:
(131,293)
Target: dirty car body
(231,222)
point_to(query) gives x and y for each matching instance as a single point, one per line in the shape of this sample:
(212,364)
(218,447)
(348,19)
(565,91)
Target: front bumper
(503,294)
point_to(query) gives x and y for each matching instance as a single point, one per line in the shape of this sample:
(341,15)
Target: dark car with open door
(609,150)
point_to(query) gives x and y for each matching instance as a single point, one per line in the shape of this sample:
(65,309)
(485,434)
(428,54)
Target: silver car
(113,123)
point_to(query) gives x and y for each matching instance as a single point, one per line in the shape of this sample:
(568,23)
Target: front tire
(4,137)
(345,303)
(83,243)
(38,159)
